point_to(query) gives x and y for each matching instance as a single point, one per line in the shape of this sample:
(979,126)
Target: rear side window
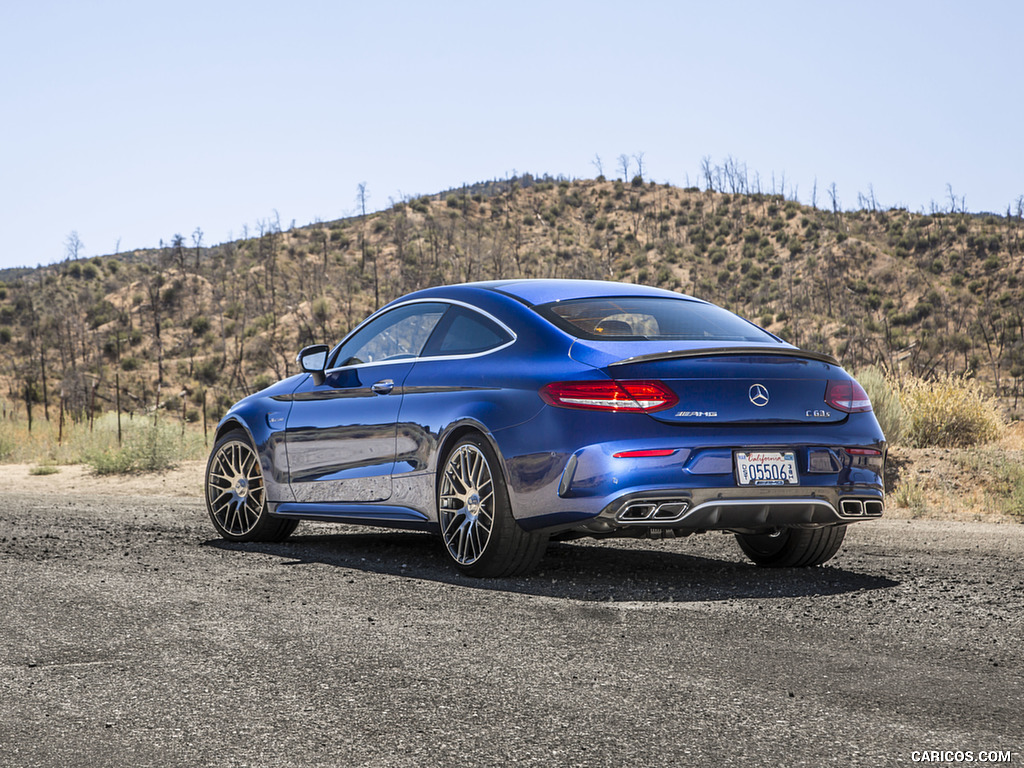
(463,332)
(650,318)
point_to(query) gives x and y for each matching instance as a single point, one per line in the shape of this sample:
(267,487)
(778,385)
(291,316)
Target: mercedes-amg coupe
(501,415)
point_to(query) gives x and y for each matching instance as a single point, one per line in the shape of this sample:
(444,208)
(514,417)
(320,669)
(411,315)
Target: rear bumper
(695,510)
(576,483)
(693,490)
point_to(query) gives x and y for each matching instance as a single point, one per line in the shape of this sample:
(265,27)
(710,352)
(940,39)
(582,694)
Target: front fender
(263,417)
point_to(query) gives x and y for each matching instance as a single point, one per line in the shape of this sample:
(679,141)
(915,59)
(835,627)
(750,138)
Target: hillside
(191,329)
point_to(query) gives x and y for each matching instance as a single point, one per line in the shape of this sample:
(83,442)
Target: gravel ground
(131,636)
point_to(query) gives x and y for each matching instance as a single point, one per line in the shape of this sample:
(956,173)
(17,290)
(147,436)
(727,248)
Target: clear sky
(129,122)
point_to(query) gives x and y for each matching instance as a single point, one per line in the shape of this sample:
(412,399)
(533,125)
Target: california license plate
(766,468)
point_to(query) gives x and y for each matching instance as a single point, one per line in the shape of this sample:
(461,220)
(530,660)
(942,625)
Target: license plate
(766,468)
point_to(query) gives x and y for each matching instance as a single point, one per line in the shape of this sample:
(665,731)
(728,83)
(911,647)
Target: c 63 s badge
(819,414)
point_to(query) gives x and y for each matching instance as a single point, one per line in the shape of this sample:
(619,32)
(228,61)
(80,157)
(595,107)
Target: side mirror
(313,359)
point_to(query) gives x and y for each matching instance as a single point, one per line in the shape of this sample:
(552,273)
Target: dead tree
(624,166)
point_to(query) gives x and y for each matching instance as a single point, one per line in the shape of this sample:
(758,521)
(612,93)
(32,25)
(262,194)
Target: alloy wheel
(466,507)
(234,488)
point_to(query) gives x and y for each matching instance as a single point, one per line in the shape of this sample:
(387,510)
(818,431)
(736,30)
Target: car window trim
(449,302)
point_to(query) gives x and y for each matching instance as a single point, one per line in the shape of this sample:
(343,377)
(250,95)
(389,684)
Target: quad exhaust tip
(667,511)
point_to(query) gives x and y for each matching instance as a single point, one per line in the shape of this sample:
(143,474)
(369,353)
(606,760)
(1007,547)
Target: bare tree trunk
(28,405)
(42,375)
(117,400)
(92,404)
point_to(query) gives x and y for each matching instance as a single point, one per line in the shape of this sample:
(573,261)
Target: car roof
(543,291)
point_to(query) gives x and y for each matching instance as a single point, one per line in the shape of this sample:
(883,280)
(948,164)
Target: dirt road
(130,636)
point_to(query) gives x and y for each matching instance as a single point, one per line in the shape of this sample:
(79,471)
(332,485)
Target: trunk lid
(738,385)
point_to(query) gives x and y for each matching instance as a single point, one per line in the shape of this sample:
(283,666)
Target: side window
(463,332)
(396,335)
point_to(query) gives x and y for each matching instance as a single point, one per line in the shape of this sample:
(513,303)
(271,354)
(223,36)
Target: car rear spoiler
(720,351)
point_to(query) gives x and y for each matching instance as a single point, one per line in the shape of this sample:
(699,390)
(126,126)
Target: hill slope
(192,329)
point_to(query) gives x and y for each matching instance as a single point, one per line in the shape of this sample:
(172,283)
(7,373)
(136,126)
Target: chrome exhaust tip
(873,507)
(852,507)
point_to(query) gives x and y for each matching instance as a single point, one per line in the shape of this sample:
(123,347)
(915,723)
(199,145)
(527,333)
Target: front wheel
(236,495)
(792,547)
(475,516)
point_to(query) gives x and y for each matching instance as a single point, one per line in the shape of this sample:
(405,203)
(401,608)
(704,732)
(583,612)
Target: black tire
(477,528)
(236,495)
(793,547)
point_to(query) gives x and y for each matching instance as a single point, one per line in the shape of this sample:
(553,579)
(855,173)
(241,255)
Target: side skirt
(356,514)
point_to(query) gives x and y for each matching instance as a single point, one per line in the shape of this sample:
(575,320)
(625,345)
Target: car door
(341,433)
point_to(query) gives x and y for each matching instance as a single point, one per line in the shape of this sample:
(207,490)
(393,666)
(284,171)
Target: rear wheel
(236,495)
(792,547)
(475,516)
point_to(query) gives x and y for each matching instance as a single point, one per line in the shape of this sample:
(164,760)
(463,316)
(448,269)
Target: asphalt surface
(131,636)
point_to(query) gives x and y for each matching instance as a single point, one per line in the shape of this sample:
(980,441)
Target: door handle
(383,387)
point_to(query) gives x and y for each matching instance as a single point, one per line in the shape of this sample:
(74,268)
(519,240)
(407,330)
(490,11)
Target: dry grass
(984,483)
(949,412)
(145,445)
(885,401)
(976,483)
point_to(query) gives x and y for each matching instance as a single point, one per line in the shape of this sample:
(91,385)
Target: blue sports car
(501,415)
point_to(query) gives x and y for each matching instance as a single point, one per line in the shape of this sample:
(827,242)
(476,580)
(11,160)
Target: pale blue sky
(129,122)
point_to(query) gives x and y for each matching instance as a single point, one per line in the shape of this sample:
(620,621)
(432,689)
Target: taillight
(847,396)
(631,396)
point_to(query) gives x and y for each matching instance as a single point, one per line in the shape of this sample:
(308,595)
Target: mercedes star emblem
(758,395)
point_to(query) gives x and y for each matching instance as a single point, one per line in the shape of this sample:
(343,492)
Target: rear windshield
(650,318)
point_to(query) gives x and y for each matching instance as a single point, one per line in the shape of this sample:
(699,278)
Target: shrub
(1012,474)
(200,325)
(885,401)
(208,371)
(149,446)
(1006,473)
(910,494)
(7,445)
(948,412)
(321,310)
(100,313)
